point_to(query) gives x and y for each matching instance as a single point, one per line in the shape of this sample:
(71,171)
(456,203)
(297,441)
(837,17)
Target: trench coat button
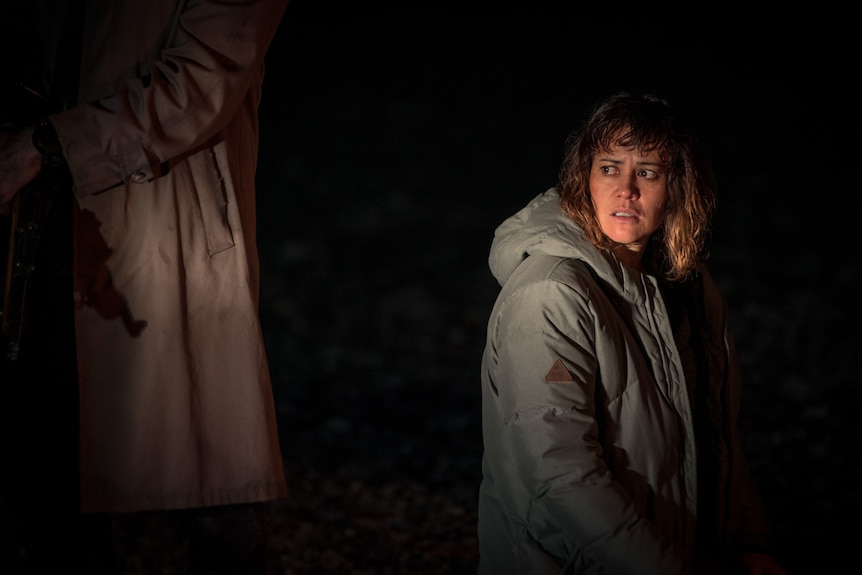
(138,177)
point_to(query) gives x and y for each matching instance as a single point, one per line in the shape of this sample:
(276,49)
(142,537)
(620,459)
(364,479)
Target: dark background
(396,139)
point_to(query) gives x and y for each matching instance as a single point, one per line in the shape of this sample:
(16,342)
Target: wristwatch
(47,142)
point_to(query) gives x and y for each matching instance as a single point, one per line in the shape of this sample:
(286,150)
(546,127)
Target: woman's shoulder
(570,271)
(548,293)
(544,283)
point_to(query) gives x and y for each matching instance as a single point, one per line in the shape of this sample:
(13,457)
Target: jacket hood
(541,227)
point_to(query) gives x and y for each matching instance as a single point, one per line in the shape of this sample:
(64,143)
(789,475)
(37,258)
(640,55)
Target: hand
(761,564)
(20,162)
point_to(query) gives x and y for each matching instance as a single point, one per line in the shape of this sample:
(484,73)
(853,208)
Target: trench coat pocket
(212,197)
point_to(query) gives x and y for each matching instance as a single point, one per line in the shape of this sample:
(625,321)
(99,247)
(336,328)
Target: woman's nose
(628,188)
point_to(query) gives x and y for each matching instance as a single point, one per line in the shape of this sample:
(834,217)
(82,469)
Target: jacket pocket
(212,197)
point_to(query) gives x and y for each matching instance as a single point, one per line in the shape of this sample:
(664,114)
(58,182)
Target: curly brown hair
(646,122)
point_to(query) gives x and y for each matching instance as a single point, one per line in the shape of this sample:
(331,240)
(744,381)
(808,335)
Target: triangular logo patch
(558,372)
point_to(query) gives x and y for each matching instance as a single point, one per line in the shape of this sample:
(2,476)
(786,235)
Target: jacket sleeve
(542,442)
(213,51)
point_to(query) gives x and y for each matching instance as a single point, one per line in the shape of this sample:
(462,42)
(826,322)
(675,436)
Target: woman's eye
(648,174)
(608,170)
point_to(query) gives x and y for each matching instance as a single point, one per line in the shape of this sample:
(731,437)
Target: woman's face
(629,193)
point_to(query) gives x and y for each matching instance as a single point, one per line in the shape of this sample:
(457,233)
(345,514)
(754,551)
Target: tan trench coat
(176,401)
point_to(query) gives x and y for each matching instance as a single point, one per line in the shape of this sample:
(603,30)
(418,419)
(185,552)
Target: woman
(610,384)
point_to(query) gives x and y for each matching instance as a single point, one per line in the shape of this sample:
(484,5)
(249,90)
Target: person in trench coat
(143,309)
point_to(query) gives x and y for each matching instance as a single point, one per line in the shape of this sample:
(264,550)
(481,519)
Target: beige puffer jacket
(591,461)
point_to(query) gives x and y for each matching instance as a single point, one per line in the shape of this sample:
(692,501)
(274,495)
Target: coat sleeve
(213,51)
(542,441)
